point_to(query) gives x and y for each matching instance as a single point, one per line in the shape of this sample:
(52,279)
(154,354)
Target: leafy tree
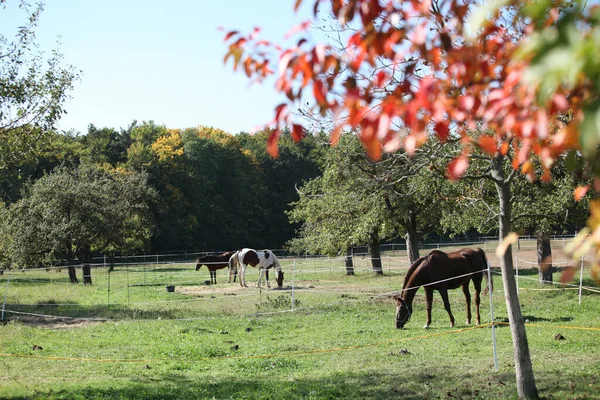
(61,149)
(33,90)
(542,207)
(358,201)
(71,213)
(297,163)
(106,145)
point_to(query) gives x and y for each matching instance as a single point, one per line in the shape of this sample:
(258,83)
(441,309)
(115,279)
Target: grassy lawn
(133,339)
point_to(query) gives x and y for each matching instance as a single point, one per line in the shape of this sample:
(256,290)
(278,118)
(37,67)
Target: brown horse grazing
(442,271)
(214,262)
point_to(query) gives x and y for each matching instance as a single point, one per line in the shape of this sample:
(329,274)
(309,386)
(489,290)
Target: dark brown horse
(214,262)
(442,271)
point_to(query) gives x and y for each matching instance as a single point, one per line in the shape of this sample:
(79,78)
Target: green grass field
(127,337)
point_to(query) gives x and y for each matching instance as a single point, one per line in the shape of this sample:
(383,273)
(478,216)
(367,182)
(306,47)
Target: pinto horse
(263,259)
(214,262)
(442,271)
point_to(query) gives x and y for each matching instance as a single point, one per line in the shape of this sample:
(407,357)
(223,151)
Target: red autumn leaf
(279,111)
(457,167)
(381,78)
(229,35)
(580,192)
(568,274)
(297,132)
(488,144)
(272,141)
(319,92)
(442,130)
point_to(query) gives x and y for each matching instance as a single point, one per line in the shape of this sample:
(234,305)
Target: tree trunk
(86,258)
(375,253)
(349,262)
(544,256)
(72,274)
(526,388)
(412,238)
(71,268)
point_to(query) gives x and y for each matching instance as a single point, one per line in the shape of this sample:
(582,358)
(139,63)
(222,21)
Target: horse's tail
(488,277)
(232,266)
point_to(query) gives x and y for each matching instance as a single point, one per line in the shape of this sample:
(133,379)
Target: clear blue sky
(159,60)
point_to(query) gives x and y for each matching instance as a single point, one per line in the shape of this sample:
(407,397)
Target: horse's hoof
(469,322)
(426,326)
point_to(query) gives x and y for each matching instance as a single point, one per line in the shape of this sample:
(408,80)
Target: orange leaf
(297,5)
(319,93)
(457,167)
(488,144)
(335,136)
(297,132)
(580,192)
(373,147)
(272,147)
(504,148)
(568,274)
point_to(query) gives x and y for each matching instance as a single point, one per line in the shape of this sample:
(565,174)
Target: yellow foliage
(168,146)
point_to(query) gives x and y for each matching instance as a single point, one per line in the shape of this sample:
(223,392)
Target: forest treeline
(203,189)
(154,189)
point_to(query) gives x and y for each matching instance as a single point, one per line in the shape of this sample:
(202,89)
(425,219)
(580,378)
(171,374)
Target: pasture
(332,336)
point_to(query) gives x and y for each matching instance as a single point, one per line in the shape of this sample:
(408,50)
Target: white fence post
(489,272)
(580,280)
(4,302)
(293,279)
(517,273)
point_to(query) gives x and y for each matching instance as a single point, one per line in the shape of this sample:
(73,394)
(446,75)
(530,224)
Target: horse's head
(199,262)
(403,312)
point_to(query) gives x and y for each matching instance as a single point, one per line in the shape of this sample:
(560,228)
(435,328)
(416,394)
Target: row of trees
(358,201)
(150,188)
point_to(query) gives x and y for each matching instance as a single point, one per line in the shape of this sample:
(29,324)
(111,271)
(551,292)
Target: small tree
(71,213)
(33,90)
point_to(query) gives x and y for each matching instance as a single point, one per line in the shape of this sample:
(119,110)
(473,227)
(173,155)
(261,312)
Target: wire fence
(135,290)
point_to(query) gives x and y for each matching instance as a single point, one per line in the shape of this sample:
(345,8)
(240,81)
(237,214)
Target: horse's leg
(444,294)
(267,277)
(465,288)
(429,304)
(477,283)
(261,271)
(242,274)
(214,275)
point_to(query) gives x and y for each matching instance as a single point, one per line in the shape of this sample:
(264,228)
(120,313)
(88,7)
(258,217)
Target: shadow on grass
(418,381)
(51,313)
(412,386)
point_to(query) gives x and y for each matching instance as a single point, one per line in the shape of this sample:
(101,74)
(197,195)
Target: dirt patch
(58,323)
